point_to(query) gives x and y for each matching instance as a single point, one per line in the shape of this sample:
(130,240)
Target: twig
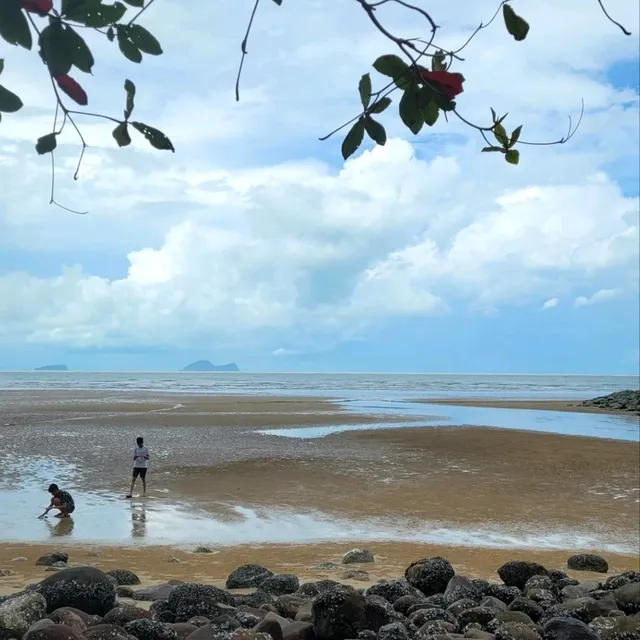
(146,6)
(243,47)
(606,13)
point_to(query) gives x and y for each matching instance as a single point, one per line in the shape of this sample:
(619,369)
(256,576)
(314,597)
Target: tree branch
(243,47)
(606,13)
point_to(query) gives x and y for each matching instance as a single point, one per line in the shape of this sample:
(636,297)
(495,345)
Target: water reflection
(138,521)
(60,527)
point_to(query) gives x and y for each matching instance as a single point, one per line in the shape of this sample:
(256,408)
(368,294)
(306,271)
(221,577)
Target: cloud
(603,295)
(551,303)
(254,233)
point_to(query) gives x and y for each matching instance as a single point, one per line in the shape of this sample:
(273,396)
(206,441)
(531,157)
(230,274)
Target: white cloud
(551,303)
(247,234)
(603,295)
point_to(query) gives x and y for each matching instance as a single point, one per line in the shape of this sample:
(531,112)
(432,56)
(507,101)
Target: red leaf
(449,84)
(41,7)
(72,89)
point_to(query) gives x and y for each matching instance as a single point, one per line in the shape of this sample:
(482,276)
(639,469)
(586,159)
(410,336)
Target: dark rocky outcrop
(280,585)
(124,577)
(19,613)
(430,575)
(588,562)
(51,559)
(338,614)
(627,400)
(85,588)
(358,556)
(517,572)
(568,629)
(247,576)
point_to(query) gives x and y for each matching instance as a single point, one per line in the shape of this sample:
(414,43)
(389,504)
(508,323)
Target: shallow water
(558,422)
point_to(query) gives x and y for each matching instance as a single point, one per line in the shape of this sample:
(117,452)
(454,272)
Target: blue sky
(255,243)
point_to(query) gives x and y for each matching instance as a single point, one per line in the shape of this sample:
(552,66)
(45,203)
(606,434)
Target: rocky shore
(627,400)
(429,602)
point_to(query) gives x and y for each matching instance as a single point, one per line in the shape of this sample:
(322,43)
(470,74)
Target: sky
(256,243)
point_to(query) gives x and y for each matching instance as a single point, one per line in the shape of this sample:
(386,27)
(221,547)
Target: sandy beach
(478,495)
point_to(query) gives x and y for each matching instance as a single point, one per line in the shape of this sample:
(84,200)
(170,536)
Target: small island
(53,367)
(206,365)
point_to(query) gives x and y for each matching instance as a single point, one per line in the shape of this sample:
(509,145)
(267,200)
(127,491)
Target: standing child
(140,463)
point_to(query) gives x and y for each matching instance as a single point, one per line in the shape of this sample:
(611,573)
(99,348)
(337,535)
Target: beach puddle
(103,519)
(558,422)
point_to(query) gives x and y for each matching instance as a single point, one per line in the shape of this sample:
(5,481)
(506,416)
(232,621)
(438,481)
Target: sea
(348,386)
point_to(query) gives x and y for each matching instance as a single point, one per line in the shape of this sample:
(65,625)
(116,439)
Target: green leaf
(46,144)
(144,40)
(156,138)
(410,112)
(380,105)
(135,3)
(130,88)
(512,156)
(353,139)
(81,55)
(375,131)
(92,13)
(515,135)
(128,49)
(518,27)
(121,135)
(438,61)
(9,101)
(500,134)
(110,34)
(390,65)
(54,49)
(278,2)
(14,27)
(430,113)
(364,87)
(489,149)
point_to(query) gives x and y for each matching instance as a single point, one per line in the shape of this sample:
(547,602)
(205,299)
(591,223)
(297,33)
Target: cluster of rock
(628,400)
(430,602)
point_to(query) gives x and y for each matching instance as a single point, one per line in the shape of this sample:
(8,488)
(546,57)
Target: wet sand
(573,406)
(471,486)
(152,564)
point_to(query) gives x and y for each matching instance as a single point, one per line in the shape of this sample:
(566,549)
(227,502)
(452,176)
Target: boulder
(194,592)
(403,603)
(288,605)
(506,617)
(430,575)
(393,631)
(460,587)
(53,632)
(391,590)
(68,617)
(273,624)
(479,615)
(312,589)
(151,594)
(502,592)
(493,603)
(124,577)
(588,562)
(125,613)
(628,598)
(256,599)
(539,582)
(544,597)
(51,559)
(338,614)
(516,631)
(279,585)
(85,588)
(184,630)
(151,630)
(358,556)
(18,613)
(516,572)
(105,632)
(614,582)
(531,608)
(247,576)
(616,628)
(568,629)
(459,606)
(378,612)
(298,631)
(63,616)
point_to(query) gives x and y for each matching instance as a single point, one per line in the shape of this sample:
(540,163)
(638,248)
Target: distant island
(205,365)
(53,367)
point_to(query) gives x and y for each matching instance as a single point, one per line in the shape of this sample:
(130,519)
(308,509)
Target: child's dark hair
(53,488)
(140,441)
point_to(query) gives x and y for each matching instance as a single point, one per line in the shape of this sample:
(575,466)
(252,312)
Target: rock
(53,632)
(391,590)
(516,631)
(184,630)
(151,630)
(544,597)
(125,613)
(614,582)
(174,560)
(247,576)
(84,588)
(628,400)
(479,615)
(355,574)
(273,624)
(312,589)
(403,603)
(206,607)
(225,622)
(568,629)
(378,612)
(338,614)
(62,616)
(50,559)
(288,605)
(203,550)
(198,621)
(20,559)
(279,585)
(539,582)
(504,593)
(517,572)
(628,598)
(460,587)
(588,562)
(256,599)
(193,591)
(249,634)
(393,631)
(18,613)
(105,632)
(531,608)
(616,628)
(478,634)
(305,613)
(68,617)
(358,556)
(459,606)
(327,566)
(298,631)
(430,575)
(151,594)
(493,603)
(124,577)
(420,617)
(435,628)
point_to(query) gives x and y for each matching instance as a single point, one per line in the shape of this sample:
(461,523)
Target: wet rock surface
(628,400)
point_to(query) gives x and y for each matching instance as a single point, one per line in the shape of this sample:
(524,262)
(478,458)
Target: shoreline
(571,406)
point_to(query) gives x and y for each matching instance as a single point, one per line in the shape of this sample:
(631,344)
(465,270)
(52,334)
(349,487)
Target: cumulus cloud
(551,303)
(603,295)
(254,233)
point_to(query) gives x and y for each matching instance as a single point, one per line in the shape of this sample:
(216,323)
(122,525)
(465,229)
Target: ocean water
(348,386)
